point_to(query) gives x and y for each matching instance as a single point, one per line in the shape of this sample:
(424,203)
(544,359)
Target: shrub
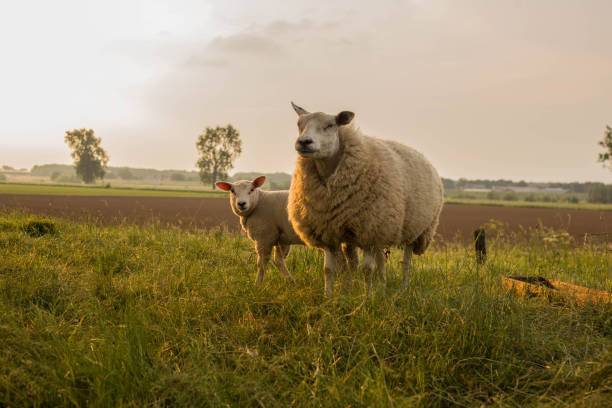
(493,195)
(600,193)
(64,178)
(38,228)
(510,196)
(2,177)
(531,197)
(55,175)
(573,199)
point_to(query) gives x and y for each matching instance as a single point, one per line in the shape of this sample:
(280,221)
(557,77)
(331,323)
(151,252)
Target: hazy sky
(485,89)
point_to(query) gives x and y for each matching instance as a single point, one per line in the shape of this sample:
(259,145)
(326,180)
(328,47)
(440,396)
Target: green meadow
(161,317)
(101,190)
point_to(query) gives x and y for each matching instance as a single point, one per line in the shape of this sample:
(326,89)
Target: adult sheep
(368,192)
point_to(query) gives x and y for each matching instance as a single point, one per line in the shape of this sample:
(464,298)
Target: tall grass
(151,316)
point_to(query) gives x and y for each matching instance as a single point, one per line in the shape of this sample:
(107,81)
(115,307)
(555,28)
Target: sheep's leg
(379,256)
(406,264)
(368,266)
(351,255)
(263,256)
(280,252)
(330,268)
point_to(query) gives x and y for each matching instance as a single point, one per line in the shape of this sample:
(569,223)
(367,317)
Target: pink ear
(223,185)
(258,182)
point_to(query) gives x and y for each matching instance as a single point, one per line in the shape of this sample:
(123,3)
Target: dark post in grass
(480,246)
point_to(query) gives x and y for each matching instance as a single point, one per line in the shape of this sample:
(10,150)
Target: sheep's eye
(251,190)
(232,191)
(328,126)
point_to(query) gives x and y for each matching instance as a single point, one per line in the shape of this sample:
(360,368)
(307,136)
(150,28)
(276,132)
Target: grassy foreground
(147,316)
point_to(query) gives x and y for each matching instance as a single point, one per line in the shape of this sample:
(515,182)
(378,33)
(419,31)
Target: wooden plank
(553,289)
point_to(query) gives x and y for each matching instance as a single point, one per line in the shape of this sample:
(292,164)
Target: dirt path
(457,219)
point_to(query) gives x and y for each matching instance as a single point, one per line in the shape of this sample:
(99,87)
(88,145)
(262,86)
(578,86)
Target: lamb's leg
(263,256)
(406,264)
(379,256)
(279,259)
(330,268)
(351,255)
(368,265)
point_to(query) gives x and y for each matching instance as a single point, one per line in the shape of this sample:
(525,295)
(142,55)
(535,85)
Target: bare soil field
(457,221)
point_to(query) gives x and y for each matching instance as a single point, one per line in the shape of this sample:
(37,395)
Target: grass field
(59,189)
(147,316)
(531,204)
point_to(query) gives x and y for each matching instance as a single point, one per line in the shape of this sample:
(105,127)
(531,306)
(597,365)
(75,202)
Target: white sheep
(263,216)
(368,192)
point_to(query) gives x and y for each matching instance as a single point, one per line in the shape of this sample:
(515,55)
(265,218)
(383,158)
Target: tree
(125,173)
(90,158)
(606,143)
(218,148)
(178,177)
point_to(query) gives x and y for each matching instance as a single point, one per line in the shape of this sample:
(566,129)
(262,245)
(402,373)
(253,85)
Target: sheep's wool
(381,194)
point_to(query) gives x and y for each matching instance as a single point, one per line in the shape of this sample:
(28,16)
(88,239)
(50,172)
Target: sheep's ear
(344,118)
(258,182)
(299,110)
(223,185)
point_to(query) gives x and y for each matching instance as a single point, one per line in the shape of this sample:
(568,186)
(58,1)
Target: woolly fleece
(381,194)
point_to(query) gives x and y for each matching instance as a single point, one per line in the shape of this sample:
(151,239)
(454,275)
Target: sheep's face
(244,194)
(318,132)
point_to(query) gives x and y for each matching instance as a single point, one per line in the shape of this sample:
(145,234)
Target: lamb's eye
(328,126)
(232,191)
(251,190)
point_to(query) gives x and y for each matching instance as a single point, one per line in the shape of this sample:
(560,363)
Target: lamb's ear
(225,186)
(258,182)
(299,110)
(344,118)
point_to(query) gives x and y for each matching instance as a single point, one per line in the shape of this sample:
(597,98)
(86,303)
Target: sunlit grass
(151,316)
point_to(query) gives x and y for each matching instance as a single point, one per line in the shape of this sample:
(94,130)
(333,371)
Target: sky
(513,89)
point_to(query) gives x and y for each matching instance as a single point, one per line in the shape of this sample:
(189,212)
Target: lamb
(263,216)
(368,192)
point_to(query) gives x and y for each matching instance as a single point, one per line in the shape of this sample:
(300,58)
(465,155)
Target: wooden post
(480,246)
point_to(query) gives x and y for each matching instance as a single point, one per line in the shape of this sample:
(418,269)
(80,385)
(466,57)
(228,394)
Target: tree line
(218,147)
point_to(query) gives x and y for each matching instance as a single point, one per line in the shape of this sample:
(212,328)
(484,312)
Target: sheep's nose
(305,142)
(241,204)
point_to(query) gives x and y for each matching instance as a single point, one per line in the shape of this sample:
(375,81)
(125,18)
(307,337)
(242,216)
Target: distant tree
(600,193)
(55,175)
(177,177)
(218,148)
(6,167)
(606,143)
(125,173)
(2,177)
(448,184)
(90,158)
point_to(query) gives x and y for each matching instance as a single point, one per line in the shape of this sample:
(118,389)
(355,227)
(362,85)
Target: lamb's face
(318,132)
(244,194)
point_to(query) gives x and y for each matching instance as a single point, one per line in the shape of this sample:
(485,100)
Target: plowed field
(457,220)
